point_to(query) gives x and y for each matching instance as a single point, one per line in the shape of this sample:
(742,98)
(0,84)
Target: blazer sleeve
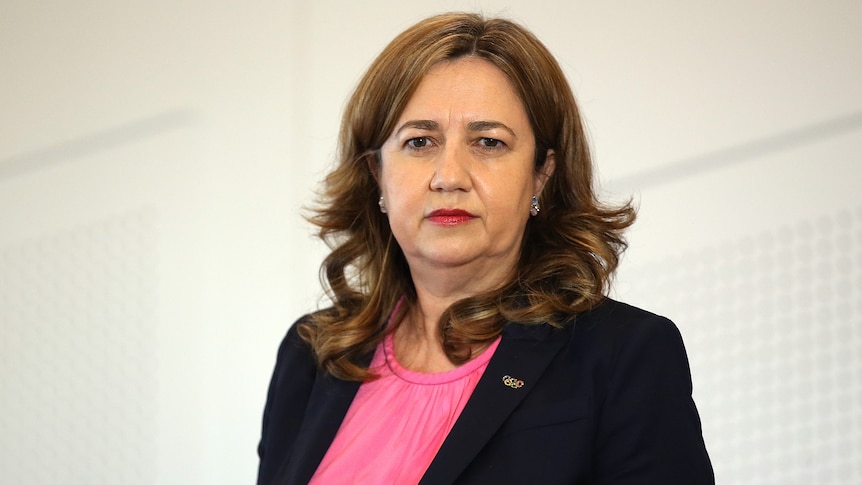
(648,429)
(287,397)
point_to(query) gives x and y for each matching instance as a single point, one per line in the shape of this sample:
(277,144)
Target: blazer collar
(523,354)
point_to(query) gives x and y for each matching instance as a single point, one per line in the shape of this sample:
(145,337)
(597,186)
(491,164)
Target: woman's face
(457,173)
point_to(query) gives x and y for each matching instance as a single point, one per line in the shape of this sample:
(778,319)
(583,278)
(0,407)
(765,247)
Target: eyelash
(481,142)
(497,144)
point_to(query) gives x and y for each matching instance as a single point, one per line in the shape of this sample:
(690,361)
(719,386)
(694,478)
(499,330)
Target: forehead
(470,88)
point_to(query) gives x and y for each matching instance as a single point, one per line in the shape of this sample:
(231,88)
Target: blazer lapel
(523,354)
(328,404)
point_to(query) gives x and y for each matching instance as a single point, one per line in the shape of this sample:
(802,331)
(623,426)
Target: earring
(382,205)
(534,206)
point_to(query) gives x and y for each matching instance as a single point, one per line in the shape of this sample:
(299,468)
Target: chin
(448,256)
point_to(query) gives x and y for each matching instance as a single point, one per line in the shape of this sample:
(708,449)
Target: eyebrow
(430,125)
(427,125)
(488,125)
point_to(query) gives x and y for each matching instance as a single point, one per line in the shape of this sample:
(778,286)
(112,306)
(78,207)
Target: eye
(418,142)
(491,143)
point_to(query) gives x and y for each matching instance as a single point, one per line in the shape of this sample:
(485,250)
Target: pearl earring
(382,205)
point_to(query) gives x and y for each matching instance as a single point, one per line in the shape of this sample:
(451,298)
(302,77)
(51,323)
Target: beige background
(154,157)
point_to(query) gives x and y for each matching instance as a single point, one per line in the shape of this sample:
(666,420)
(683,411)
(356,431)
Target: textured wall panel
(775,323)
(78,355)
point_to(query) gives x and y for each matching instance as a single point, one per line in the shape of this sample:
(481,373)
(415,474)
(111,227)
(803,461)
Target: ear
(372,159)
(544,172)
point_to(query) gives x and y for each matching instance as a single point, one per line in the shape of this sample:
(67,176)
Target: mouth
(450,217)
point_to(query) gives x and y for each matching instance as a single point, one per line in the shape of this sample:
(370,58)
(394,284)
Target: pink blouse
(397,423)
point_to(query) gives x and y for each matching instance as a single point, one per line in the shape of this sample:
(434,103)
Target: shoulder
(619,327)
(295,365)
(611,315)
(616,346)
(611,345)
(292,342)
(295,353)
(609,330)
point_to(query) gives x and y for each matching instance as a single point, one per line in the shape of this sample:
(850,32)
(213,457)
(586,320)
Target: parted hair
(569,251)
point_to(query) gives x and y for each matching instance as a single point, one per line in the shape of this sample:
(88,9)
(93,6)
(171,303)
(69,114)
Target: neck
(418,344)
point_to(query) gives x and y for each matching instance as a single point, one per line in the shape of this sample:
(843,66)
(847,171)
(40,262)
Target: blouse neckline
(435,378)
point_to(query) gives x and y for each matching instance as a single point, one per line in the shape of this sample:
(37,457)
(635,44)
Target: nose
(452,170)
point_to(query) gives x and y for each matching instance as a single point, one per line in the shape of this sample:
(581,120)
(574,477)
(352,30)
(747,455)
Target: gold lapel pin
(513,382)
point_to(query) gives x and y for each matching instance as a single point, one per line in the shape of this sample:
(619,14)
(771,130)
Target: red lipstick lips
(450,217)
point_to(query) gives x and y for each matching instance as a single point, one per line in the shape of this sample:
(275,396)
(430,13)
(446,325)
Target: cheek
(509,194)
(400,180)
(402,192)
(404,203)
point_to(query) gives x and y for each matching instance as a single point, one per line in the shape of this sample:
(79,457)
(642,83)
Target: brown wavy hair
(569,251)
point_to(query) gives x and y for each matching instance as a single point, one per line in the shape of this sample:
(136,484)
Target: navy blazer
(606,400)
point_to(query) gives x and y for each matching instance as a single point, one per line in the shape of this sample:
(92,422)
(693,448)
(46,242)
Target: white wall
(154,157)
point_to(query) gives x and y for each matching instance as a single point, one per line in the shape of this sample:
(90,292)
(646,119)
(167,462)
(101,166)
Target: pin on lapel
(512,382)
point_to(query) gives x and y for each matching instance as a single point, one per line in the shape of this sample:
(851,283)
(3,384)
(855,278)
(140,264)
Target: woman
(470,339)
